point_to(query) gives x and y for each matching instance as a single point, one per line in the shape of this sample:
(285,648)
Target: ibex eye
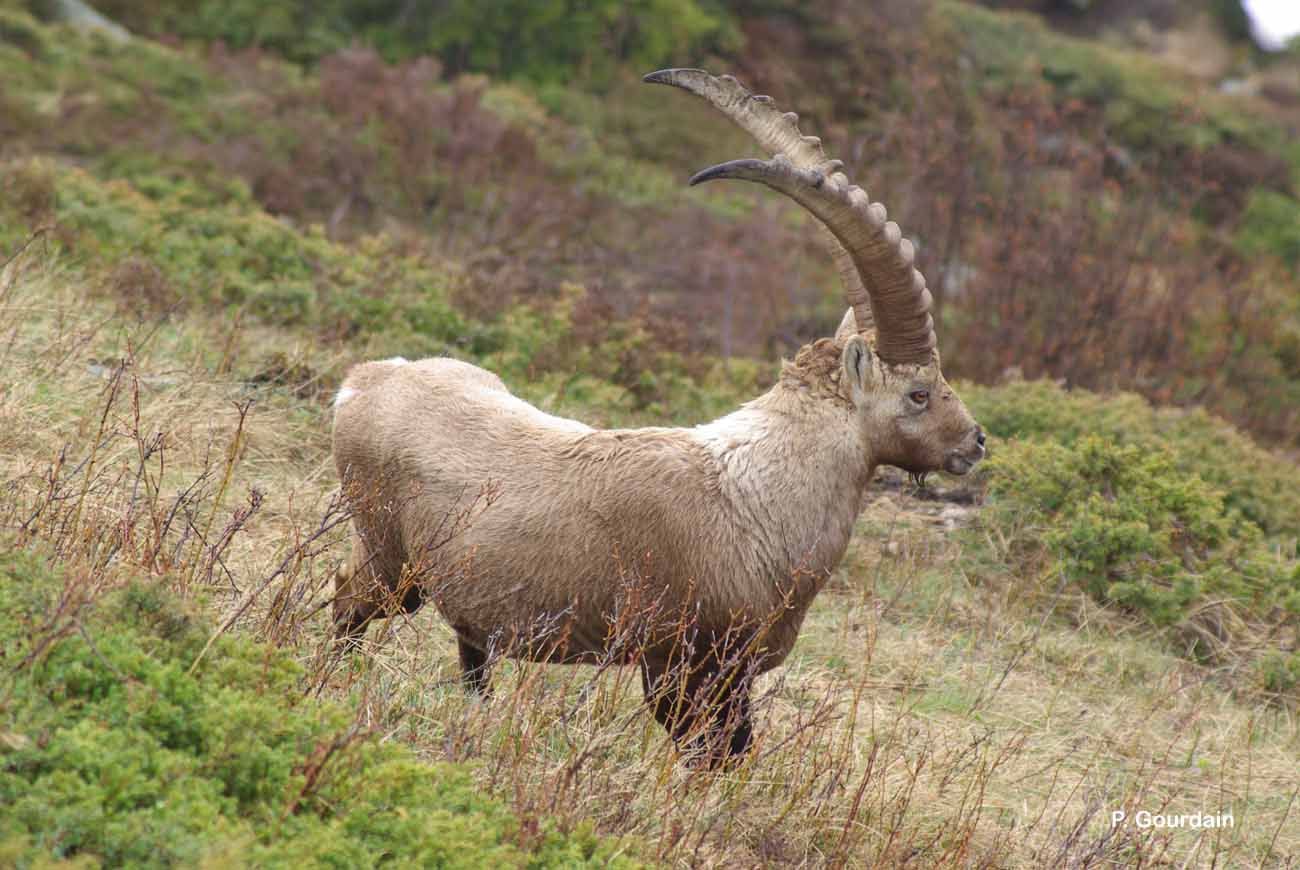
(919,396)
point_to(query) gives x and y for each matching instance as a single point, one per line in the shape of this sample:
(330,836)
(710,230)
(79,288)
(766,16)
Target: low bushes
(1170,517)
(1252,480)
(1122,522)
(231,255)
(114,749)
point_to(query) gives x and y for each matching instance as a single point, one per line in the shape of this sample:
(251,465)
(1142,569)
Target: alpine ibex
(705,546)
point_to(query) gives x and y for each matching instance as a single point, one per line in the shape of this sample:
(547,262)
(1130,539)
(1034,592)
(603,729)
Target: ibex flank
(691,553)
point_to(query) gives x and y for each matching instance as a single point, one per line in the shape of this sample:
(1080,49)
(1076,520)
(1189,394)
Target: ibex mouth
(958,464)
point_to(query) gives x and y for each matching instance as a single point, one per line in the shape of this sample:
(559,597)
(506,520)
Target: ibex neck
(793,468)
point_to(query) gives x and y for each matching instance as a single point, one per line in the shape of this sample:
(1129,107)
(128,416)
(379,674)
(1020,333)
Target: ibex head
(910,417)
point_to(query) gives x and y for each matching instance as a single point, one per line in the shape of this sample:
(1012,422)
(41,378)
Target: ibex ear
(848,326)
(859,373)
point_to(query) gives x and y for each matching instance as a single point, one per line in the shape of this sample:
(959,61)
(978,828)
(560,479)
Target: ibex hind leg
(362,593)
(475,671)
(368,588)
(706,710)
(352,610)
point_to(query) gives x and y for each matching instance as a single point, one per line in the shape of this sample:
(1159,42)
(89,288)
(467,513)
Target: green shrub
(286,303)
(19,29)
(1125,524)
(554,40)
(1278,673)
(233,254)
(550,41)
(1172,517)
(1144,105)
(230,255)
(1264,487)
(112,751)
(1271,226)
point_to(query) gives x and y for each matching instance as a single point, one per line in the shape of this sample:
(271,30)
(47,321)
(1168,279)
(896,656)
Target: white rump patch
(344,394)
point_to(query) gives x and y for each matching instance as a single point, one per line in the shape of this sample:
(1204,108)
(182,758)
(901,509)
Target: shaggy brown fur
(817,369)
(695,552)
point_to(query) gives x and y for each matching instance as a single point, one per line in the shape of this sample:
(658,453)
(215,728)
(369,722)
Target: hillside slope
(128,741)
(1083,210)
(967,689)
(197,242)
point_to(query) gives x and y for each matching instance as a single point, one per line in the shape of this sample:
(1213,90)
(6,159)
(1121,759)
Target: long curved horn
(874,261)
(776,133)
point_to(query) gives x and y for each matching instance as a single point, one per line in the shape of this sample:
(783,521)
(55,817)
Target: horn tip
(744,168)
(711,174)
(666,76)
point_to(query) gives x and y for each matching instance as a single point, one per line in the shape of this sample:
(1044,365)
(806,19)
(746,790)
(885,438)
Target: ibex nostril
(979,436)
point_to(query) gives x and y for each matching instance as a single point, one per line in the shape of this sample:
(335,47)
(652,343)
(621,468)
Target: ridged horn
(874,261)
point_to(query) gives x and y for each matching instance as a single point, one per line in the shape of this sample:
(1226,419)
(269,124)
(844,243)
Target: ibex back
(692,553)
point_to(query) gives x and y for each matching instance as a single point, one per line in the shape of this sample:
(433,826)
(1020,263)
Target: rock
(953,516)
(83,17)
(1238,87)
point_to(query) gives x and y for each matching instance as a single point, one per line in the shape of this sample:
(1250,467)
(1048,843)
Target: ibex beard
(691,553)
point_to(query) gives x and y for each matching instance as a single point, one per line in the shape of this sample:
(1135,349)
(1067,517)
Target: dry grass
(920,721)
